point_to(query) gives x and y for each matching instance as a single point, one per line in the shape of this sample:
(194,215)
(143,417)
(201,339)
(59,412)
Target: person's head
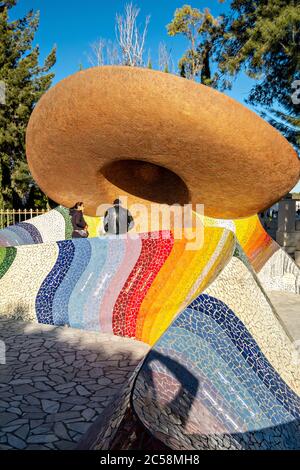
(79,206)
(117,202)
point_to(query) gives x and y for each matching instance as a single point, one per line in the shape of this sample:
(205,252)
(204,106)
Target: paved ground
(288,308)
(56,381)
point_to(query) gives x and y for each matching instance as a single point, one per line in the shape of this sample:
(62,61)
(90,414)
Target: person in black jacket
(80,228)
(117,219)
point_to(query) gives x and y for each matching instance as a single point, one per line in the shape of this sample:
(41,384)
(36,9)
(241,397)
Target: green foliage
(25,82)
(287,124)
(36,199)
(7,4)
(259,37)
(262,38)
(203,32)
(187,20)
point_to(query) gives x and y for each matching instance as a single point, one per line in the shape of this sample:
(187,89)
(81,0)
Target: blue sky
(72,25)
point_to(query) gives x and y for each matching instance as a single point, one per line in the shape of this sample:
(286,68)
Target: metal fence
(13,216)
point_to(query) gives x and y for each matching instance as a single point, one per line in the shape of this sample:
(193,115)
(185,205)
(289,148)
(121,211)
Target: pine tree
(25,82)
(262,38)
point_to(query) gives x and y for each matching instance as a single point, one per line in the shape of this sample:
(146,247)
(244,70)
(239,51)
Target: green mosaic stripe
(8,259)
(68,224)
(2,254)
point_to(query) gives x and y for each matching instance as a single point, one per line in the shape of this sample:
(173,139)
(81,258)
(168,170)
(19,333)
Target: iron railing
(14,216)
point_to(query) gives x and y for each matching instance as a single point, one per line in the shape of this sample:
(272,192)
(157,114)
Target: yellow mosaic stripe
(171,289)
(94,224)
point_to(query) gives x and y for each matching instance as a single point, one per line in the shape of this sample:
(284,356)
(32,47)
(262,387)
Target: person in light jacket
(117,219)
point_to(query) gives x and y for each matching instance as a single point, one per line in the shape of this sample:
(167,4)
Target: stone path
(287,306)
(56,382)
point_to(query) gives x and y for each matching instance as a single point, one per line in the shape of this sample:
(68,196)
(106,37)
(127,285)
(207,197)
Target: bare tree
(129,36)
(165,61)
(96,57)
(104,52)
(112,53)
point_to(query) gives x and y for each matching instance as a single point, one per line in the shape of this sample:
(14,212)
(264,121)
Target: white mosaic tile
(21,283)
(237,287)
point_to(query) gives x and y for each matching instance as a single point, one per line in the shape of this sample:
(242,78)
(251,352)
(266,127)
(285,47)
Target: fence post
(13,216)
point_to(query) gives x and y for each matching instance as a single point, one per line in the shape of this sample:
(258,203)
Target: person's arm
(130,221)
(105,222)
(85,224)
(80,222)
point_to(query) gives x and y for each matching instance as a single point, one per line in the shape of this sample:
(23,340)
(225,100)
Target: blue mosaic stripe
(79,263)
(9,238)
(222,387)
(282,437)
(32,230)
(227,412)
(80,299)
(223,382)
(115,255)
(203,390)
(22,233)
(247,346)
(24,238)
(234,379)
(217,339)
(45,296)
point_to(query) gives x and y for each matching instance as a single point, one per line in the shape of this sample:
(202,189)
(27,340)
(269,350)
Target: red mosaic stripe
(153,255)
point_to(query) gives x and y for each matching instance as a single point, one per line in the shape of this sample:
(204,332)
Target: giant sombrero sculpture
(221,371)
(154,137)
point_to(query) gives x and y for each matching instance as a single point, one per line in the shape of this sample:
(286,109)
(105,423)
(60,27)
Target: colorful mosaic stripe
(127,287)
(7,256)
(220,374)
(277,271)
(207,384)
(154,252)
(275,268)
(46,294)
(54,225)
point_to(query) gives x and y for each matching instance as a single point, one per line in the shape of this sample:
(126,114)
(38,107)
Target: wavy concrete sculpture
(112,285)
(224,374)
(276,270)
(221,373)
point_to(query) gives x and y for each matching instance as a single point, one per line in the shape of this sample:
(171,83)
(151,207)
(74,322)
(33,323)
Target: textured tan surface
(223,154)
